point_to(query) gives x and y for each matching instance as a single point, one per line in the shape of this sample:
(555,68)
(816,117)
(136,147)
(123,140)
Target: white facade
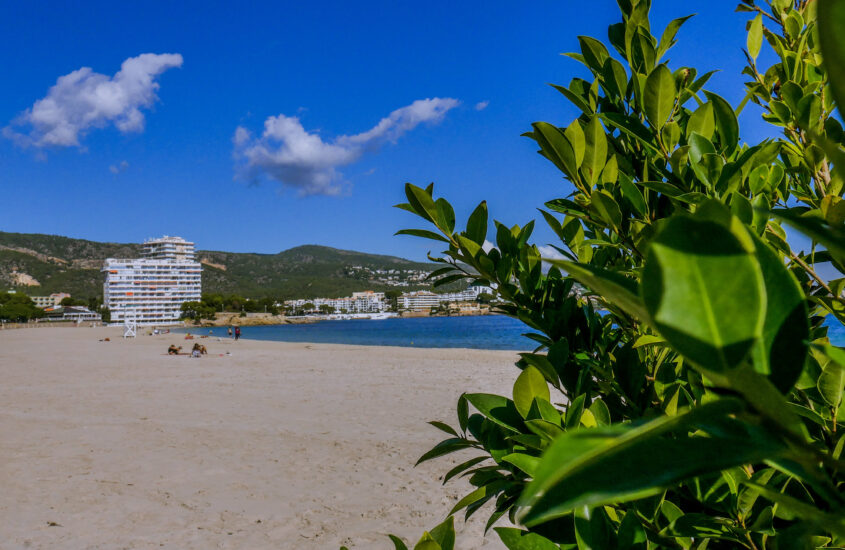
(424,300)
(360,302)
(152,289)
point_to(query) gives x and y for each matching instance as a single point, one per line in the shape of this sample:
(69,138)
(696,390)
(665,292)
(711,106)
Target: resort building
(425,301)
(151,290)
(49,301)
(76,314)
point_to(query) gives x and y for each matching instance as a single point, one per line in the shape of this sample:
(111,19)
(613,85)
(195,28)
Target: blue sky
(340,68)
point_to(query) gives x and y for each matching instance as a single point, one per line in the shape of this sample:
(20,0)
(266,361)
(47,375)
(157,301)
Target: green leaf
(782,351)
(398,544)
(575,135)
(445,447)
(524,462)
(627,462)
(832,379)
(726,123)
(529,384)
(498,409)
(594,52)
(755,36)
(421,201)
(831,23)
(424,233)
(477,224)
(445,215)
(632,127)
(632,194)
(595,150)
(555,147)
(427,543)
(660,93)
(703,290)
(600,412)
(483,492)
(444,534)
(835,523)
(833,238)
(606,208)
(517,539)
(615,78)
(702,121)
(442,426)
(460,468)
(617,289)
(667,39)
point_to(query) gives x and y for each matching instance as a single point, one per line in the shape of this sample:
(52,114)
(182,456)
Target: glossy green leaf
(606,208)
(755,36)
(782,351)
(831,25)
(555,147)
(444,534)
(617,289)
(831,382)
(517,539)
(667,39)
(575,135)
(477,224)
(726,123)
(595,151)
(524,462)
(498,409)
(660,94)
(530,384)
(398,544)
(621,463)
(703,289)
(594,52)
(702,121)
(424,233)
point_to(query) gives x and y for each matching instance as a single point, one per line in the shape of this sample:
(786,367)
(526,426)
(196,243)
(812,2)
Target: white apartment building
(424,300)
(152,289)
(360,302)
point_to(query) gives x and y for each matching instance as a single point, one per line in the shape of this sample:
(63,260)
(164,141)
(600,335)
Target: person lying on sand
(200,348)
(173,350)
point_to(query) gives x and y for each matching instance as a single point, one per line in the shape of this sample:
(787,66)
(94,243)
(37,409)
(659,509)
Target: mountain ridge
(64,264)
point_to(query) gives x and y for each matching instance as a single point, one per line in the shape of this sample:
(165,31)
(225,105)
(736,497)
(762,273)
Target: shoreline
(277,445)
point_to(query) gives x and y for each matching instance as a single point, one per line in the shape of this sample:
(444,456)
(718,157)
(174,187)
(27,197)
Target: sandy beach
(113,445)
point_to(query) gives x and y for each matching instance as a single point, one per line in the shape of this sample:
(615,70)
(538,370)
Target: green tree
(689,396)
(326,309)
(18,307)
(392,298)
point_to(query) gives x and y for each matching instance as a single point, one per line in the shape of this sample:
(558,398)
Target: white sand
(114,444)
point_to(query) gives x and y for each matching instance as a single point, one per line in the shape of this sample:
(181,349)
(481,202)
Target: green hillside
(62,264)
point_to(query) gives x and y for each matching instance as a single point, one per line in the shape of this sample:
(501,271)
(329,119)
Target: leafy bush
(687,394)
(18,307)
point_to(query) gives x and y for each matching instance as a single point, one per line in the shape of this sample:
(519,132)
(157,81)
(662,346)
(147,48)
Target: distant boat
(382,315)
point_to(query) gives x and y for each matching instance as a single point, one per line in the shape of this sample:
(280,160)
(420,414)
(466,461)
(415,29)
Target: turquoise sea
(484,332)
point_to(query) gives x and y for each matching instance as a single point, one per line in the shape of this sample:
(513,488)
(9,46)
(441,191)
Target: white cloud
(289,154)
(487,246)
(122,166)
(550,253)
(481,105)
(83,99)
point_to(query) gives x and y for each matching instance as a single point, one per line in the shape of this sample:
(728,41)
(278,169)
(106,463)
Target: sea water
(479,332)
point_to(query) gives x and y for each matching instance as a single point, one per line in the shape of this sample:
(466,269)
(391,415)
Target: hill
(42,264)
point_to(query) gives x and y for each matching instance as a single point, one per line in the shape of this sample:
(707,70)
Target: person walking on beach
(230,332)
(237,333)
